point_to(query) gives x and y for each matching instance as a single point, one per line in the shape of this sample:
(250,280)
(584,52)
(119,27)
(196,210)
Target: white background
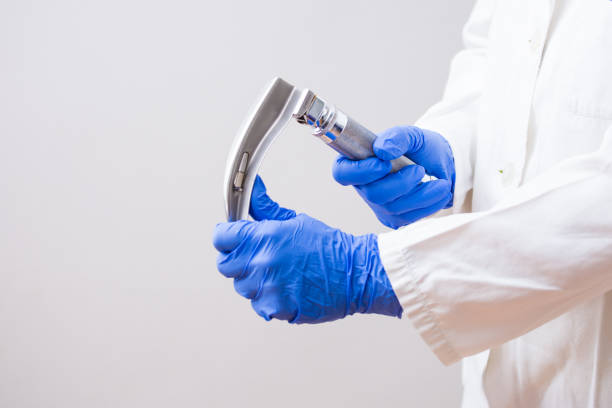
(115,120)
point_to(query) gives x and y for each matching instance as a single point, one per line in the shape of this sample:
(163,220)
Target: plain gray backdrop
(115,121)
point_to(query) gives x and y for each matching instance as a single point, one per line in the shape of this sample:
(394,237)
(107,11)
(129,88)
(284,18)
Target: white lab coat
(517,282)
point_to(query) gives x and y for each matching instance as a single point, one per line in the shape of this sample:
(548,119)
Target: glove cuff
(370,290)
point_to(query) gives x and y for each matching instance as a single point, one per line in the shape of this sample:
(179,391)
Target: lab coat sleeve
(454,117)
(473,281)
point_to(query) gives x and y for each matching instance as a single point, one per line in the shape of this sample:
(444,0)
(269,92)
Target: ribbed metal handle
(355,142)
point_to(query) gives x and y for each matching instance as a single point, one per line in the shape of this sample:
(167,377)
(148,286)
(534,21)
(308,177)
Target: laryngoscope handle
(355,141)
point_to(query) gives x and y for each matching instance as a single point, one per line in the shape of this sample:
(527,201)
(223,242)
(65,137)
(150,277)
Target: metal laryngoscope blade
(279,103)
(267,120)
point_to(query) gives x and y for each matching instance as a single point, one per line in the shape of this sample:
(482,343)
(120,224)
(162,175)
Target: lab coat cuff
(402,270)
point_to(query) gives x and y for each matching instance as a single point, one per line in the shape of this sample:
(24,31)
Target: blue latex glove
(401,198)
(298,269)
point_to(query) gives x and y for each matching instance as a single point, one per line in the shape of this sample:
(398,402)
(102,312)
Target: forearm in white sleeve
(473,281)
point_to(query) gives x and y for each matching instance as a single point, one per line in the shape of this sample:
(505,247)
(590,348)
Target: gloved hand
(298,269)
(401,198)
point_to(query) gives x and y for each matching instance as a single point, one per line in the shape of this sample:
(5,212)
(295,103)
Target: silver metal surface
(267,120)
(340,132)
(279,103)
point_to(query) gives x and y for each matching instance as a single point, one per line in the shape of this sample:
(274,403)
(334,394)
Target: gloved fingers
(234,264)
(415,215)
(250,284)
(438,160)
(357,172)
(441,170)
(393,185)
(444,167)
(423,196)
(263,207)
(270,306)
(435,154)
(228,235)
(398,141)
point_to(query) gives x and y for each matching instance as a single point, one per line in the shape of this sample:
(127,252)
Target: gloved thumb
(398,141)
(263,208)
